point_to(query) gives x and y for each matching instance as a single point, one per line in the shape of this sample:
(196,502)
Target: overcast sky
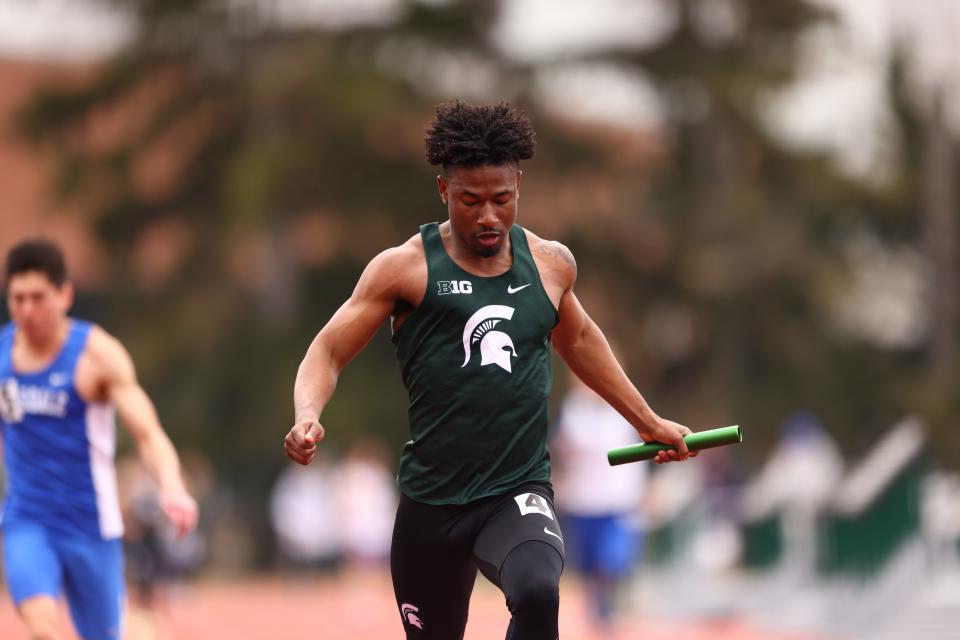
(838,104)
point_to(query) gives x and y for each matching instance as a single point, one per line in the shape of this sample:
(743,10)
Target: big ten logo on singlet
(10,409)
(530,503)
(496,347)
(447,287)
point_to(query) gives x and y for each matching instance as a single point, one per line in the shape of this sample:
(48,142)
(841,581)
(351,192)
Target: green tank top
(475,358)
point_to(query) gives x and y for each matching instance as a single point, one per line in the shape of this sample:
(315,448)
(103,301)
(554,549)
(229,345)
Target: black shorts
(437,550)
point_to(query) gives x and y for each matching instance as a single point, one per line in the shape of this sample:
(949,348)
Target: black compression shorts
(437,550)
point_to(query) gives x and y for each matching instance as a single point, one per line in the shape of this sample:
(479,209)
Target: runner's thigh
(93,585)
(30,563)
(433,570)
(524,514)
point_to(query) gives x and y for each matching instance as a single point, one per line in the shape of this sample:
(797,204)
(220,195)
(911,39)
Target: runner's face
(482,204)
(37,305)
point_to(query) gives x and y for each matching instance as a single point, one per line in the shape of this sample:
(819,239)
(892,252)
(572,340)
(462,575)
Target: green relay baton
(695,442)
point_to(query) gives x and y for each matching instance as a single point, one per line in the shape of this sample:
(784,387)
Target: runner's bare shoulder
(399,272)
(105,361)
(554,260)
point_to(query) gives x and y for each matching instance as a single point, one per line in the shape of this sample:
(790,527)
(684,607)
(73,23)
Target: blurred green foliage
(712,257)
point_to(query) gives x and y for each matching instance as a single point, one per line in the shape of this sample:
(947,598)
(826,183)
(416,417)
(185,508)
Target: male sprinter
(475,303)
(60,381)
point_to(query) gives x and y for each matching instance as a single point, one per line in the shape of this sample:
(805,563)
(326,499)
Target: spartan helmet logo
(409,612)
(496,347)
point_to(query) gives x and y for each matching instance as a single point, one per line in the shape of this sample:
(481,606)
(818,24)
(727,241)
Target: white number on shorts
(533,503)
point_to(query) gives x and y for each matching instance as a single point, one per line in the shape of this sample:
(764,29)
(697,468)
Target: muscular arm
(119,383)
(585,349)
(375,297)
(341,339)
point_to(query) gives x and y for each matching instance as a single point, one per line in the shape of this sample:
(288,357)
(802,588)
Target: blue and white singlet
(58,449)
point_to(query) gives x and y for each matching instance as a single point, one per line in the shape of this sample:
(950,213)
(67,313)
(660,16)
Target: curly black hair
(469,135)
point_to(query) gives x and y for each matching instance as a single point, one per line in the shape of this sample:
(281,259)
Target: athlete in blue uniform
(61,381)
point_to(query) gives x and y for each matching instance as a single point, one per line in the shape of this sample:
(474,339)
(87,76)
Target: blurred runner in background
(61,380)
(600,505)
(303,511)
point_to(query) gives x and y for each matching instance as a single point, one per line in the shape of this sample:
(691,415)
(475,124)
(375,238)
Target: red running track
(359,607)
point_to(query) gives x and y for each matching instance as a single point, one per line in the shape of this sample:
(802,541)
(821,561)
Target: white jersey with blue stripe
(58,449)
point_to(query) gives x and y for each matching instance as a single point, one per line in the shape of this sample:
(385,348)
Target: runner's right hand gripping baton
(695,441)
